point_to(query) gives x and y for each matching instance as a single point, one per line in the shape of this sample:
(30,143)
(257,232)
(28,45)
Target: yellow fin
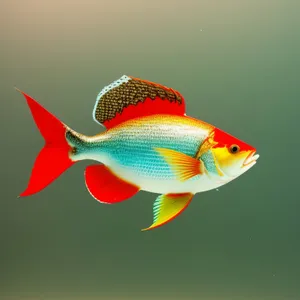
(184,166)
(168,207)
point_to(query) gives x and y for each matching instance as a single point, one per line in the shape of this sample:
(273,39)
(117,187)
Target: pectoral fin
(168,207)
(184,166)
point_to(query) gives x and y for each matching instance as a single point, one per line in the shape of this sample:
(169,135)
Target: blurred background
(237,64)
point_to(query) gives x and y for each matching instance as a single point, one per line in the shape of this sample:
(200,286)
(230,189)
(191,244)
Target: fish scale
(133,144)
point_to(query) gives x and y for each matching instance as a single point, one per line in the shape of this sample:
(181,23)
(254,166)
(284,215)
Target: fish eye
(234,149)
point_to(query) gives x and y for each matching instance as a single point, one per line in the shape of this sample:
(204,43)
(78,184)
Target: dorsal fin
(129,97)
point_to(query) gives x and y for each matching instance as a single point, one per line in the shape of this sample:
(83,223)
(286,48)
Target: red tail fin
(53,159)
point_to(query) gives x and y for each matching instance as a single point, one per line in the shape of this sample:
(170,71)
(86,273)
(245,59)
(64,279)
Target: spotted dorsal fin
(129,97)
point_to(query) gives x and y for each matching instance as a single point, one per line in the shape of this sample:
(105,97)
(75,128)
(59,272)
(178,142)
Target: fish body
(129,151)
(150,144)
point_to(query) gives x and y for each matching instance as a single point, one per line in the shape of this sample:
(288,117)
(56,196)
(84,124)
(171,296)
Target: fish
(148,144)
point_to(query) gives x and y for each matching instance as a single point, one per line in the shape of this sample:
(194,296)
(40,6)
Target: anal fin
(168,207)
(106,187)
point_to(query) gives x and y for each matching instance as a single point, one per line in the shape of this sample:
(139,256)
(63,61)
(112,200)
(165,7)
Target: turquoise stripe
(140,156)
(134,147)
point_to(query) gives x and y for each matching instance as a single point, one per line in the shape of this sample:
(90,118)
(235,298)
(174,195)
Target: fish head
(233,156)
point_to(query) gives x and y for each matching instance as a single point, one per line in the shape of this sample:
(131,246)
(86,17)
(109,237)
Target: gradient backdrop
(237,64)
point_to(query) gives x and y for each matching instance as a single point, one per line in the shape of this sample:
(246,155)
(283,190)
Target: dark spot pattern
(132,92)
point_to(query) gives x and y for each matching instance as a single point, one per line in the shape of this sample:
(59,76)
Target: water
(237,64)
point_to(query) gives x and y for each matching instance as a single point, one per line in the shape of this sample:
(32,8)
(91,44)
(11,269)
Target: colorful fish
(149,144)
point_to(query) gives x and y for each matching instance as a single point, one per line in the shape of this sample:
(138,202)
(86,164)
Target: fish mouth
(251,159)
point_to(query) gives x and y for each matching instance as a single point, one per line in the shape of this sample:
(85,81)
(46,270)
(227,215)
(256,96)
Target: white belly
(201,183)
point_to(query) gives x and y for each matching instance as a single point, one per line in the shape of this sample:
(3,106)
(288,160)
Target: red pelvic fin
(106,187)
(53,159)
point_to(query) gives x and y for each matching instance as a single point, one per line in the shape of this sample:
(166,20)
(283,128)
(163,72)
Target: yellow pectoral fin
(184,166)
(168,207)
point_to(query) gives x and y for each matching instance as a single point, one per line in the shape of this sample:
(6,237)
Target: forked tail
(53,159)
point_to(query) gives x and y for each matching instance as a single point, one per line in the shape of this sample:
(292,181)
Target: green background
(237,65)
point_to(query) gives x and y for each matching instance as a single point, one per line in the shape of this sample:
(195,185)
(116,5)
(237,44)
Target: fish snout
(251,158)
